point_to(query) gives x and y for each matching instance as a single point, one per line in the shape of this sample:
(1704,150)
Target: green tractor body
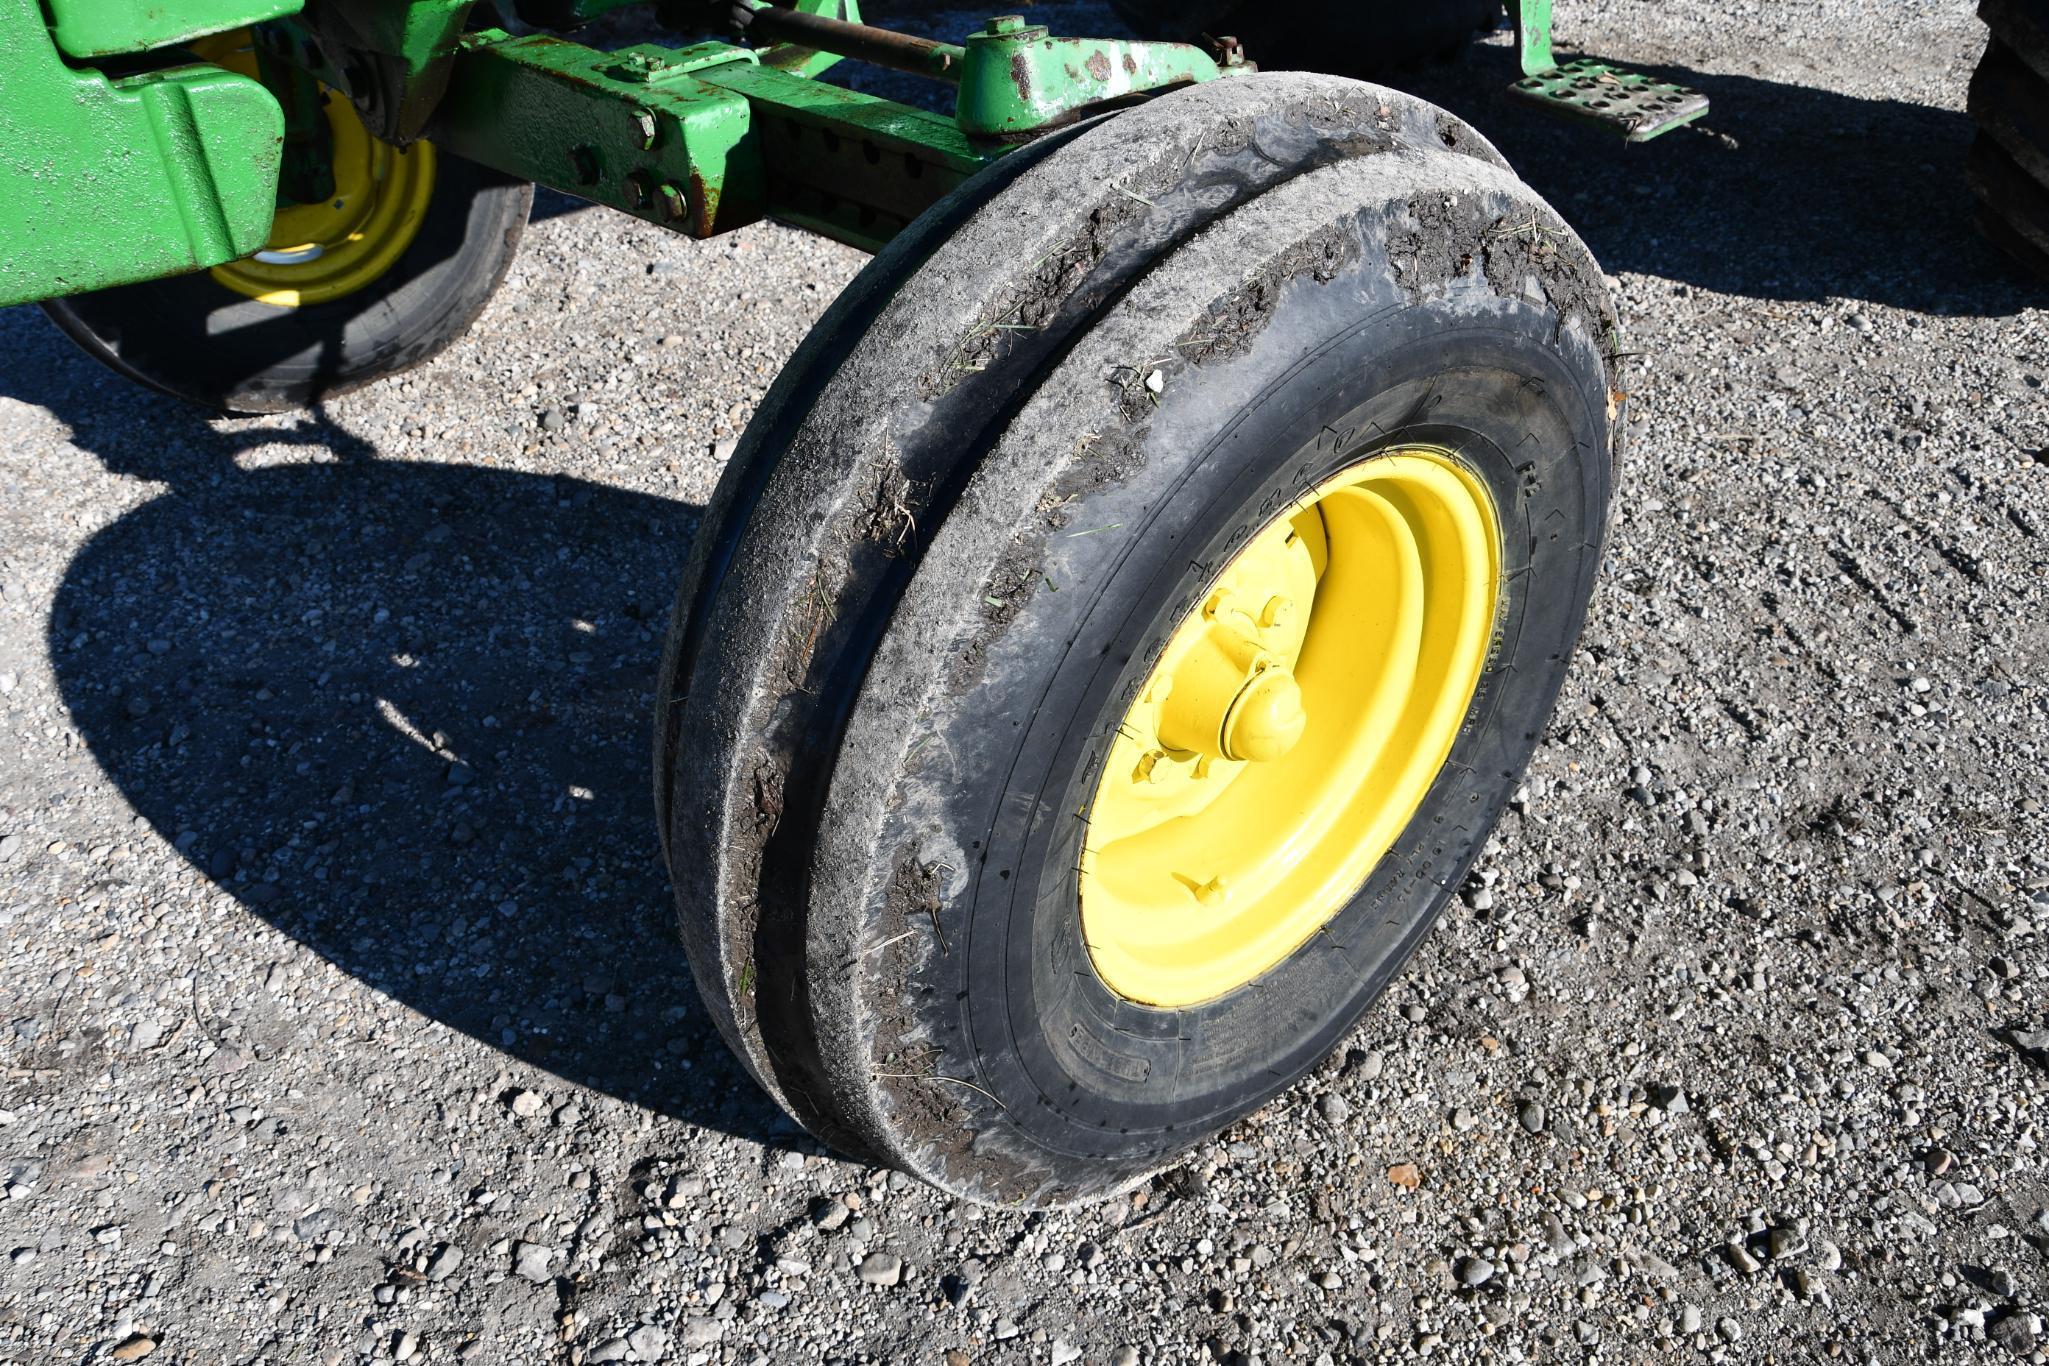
(112,178)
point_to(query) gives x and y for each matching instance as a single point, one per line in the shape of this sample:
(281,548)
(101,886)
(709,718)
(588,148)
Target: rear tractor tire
(1123,623)
(391,268)
(2009,101)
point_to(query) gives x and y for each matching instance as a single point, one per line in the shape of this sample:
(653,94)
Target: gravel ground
(343,1013)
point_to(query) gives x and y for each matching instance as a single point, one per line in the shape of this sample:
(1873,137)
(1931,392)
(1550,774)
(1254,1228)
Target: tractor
(1128,613)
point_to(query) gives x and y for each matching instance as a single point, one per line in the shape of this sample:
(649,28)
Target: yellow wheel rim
(1291,728)
(323,251)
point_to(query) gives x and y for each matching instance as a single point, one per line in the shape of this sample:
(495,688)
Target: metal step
(1637,106)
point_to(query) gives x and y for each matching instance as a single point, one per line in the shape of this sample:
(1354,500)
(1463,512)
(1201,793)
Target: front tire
(957,543)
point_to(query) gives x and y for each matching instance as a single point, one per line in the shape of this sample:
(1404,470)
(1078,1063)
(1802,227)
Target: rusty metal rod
(877,46)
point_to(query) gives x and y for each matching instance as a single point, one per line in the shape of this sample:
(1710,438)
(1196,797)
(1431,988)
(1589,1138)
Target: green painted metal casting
(107,182)
(1016,79)
(104,28)
(638,130)
(701,139)
(708,137)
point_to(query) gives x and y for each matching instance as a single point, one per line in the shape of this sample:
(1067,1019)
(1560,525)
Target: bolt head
(1005,23)
(645,126)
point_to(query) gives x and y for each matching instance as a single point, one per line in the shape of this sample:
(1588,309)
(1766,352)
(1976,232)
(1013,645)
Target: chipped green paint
(1016,79)
(104,182)
(1533,37)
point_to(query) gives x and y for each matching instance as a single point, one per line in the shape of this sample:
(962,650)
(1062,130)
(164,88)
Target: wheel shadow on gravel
(400,712)
(1822,195)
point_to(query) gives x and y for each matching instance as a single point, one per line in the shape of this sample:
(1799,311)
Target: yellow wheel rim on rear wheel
(1291,729)
(323,251)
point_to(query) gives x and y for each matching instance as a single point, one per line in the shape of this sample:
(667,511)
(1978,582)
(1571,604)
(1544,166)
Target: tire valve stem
(1212,893)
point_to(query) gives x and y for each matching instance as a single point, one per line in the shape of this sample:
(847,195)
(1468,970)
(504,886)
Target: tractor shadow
(400,711)
(1822,195)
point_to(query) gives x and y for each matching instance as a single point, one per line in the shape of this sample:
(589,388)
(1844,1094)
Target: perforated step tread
(1637,106)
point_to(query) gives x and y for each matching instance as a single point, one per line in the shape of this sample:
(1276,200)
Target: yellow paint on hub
(1291,728)
(324,251)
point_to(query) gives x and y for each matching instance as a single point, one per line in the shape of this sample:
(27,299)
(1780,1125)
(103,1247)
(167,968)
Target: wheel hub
(1291,727)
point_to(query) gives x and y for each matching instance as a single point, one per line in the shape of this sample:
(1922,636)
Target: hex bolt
(640,190)
(645,127)
(674,203)
(1005,23)
(1152,768)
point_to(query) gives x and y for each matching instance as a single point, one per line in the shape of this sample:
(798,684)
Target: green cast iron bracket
(1637,106)
(1017,80)
(637,130)
(705,138)
(106,182)
(1014,79)
(701,139)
